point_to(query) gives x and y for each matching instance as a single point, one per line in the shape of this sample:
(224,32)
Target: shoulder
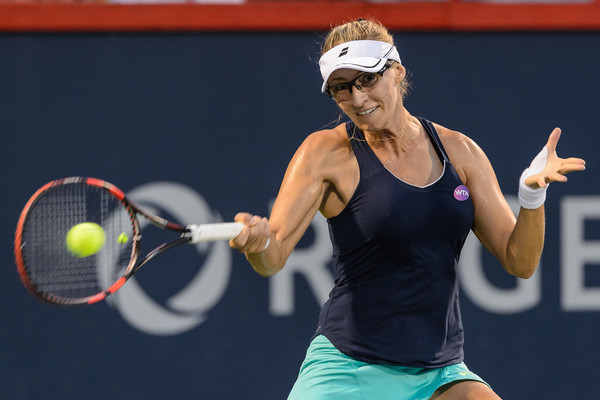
(465,154)
(457,142)
(327,140)
(325,147)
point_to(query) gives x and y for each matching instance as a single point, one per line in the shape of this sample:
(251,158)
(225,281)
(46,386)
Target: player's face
(371,100)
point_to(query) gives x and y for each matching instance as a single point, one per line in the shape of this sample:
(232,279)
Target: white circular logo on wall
(187,308)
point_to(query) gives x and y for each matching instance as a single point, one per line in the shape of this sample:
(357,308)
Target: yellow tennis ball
(123,238)
(85,239)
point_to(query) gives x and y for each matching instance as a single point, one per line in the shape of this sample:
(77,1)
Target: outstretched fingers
(556,168)
(553,140)
(571,164)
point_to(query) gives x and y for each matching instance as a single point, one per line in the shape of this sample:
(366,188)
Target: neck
(404,131)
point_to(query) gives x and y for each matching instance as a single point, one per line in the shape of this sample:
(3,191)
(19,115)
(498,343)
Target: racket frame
(187,234)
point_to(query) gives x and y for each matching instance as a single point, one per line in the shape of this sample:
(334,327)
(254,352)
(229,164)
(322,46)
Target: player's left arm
(516,242)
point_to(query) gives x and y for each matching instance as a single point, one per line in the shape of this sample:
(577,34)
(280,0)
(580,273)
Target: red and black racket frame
(133,266)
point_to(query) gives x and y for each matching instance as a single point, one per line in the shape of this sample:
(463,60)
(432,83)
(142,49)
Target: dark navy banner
(198,127)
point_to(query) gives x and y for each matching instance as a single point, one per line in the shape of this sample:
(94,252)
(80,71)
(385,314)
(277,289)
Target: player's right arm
(308,182)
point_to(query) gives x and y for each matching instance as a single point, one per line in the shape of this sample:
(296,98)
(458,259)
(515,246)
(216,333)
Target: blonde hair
(361,29)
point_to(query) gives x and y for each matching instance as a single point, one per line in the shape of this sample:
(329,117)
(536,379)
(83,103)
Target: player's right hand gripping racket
(53,274)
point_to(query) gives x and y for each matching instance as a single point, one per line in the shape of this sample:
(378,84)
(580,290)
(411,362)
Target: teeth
(369,111)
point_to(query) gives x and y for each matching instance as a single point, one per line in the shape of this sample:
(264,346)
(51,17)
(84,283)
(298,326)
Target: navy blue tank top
(395,252)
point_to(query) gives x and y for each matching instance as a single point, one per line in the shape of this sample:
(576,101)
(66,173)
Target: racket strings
(55,271)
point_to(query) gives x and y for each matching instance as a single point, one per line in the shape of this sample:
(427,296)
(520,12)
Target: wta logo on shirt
(461,193)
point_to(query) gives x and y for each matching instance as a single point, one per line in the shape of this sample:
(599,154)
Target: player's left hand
(556,168)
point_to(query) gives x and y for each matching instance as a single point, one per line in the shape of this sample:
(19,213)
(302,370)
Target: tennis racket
(54,275)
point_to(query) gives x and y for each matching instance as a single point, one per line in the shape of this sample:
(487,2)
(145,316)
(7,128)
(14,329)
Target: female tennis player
(400,195)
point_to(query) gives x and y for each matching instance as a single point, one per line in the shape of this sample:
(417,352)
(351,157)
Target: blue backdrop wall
(208,122)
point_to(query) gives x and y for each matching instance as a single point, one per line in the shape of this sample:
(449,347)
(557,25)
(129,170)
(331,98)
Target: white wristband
(529,197)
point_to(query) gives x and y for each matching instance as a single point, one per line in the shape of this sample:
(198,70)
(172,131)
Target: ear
(400,72)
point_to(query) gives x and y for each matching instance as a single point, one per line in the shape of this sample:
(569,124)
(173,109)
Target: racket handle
(211,232)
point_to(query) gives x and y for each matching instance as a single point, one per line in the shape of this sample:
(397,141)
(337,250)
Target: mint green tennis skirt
(328,374)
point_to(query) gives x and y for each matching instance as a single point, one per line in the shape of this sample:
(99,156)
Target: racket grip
(212,232)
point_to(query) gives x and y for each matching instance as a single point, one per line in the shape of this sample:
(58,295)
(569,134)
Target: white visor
(362,55)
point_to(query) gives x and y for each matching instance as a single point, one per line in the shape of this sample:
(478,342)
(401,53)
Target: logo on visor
(343,52)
